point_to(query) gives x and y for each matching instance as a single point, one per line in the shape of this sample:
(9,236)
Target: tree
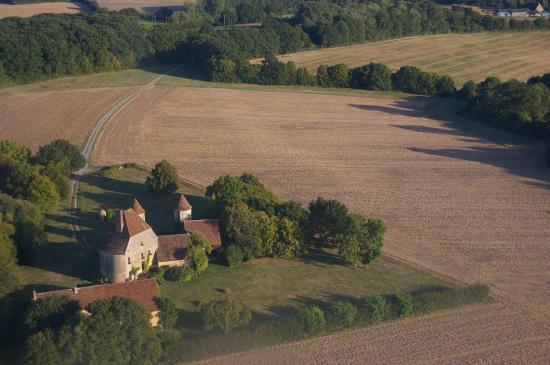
(28,223)
(326,219)
(243,229)
(344,313)
(14,150)
(226,314)
(267,226)
(323,78)
(163,179)
(377,307)
(62,154)
(223,70)
(444,86)
(304,77)
(50,314)
(288,241)
(226,190)
(349,248)
(117,331)
(8,260)
(60,181)
(168,312)
(41,349)
(375,242)
(311,319)
(338,75)
(233,255)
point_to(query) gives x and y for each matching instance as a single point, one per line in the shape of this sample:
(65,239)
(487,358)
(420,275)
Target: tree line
(256,223)
(54,45)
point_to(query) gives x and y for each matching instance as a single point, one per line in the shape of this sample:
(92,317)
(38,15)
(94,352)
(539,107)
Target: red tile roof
(137,207)
(115,243)
(142,291)
(133,224)
(210,228)
(172,247)
(183,204)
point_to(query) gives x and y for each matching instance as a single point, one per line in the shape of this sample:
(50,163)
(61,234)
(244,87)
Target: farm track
(457,205)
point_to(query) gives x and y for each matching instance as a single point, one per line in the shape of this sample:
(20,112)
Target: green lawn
(275,286)
(117,191)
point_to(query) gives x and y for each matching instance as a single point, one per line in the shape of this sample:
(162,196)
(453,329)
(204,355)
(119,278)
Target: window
(142,256)
(129,261)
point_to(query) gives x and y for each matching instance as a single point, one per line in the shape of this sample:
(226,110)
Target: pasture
(454,202)
(27,10)
(463,56)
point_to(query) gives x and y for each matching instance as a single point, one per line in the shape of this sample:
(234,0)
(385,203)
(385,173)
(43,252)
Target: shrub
(14,150)
(402,305)
(447,298)
(376,307)
(311,319)
(344,313)
(178,273)
(226,314)
(163,179)
(233,255)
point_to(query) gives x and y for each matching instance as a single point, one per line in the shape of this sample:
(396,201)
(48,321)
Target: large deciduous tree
(163,179)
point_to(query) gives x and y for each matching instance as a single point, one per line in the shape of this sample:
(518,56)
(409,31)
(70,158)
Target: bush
(402,305)
(344,313)
(311,319)
(226,314)
(233,255)
(376,308)
(163,179)
(14,150)
(426,302)
(178,273)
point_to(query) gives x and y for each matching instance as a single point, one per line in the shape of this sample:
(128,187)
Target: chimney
(34,295)
(75,290)
(119,222)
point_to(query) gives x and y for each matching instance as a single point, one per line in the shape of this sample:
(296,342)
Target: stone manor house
(133,246)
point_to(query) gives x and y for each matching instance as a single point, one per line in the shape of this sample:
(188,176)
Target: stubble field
(462,56)
(36,118)
(455,203)
(27,10)
(146,6)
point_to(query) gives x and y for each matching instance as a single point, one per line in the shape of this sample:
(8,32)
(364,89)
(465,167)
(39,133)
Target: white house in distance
(133,246)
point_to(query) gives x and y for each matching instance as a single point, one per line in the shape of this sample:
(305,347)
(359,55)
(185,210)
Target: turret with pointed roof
(138,209)
(183,210)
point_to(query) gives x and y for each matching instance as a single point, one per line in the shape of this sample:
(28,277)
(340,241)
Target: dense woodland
(47,46)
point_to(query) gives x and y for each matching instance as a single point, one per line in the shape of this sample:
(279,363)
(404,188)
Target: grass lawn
(117,191)
(275,286)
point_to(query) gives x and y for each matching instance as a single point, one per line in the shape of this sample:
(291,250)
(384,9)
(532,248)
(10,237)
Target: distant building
(142,291)
(535,10)
(132,246)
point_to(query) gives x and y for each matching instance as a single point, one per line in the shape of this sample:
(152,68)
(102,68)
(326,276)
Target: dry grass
(462,56)
(454,202)
(146,6)
(34,119)
(27,10)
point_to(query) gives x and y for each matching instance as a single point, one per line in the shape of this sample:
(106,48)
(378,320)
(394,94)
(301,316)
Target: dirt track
(454,202)
(34,119)
(147,6)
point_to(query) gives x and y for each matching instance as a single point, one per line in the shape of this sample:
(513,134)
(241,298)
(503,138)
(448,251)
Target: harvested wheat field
(37,118)
(146,6)
(27,10)
(462,56)
(453,202)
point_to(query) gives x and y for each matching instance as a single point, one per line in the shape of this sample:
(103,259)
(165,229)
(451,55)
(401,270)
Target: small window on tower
(129,261)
